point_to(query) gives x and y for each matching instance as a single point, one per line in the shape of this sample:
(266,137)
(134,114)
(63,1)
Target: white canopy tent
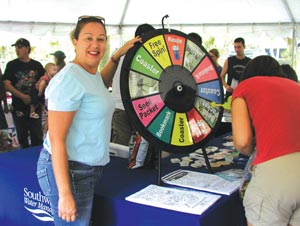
(223,20)
(126,13)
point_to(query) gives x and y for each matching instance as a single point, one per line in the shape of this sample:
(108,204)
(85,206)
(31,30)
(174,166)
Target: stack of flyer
(192,194)
(202,181)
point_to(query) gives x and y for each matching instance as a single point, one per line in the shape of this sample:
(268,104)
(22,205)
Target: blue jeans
(83,180)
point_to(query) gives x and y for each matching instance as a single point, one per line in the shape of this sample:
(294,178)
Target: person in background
(3,104)
(37,91)
(289,72)
(19,77)
(28,87)
(265,117)
(51,71)
(41,85)
(59,59)
(214,54)
(121,125)
(80,110)
(224,127)
(234,66)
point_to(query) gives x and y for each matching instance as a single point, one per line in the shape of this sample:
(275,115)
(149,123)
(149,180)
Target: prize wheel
(168,84)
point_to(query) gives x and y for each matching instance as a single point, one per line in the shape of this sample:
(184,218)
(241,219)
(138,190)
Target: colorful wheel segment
(167,85)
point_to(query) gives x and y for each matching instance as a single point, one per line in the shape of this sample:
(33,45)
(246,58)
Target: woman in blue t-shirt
(80,109)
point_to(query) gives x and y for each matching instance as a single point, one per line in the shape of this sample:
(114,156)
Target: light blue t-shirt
(74,89)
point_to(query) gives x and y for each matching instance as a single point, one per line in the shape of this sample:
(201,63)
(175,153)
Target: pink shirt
(45,77)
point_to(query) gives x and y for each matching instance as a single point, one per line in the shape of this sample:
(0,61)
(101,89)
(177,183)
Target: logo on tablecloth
(38,205)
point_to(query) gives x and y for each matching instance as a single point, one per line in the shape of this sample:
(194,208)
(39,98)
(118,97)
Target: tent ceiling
(132,12)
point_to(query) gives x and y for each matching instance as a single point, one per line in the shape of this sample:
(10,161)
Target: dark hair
(240,39)
(289,72)
(60,62)
(80,24)
(195,37)
(142,29)
(262,66)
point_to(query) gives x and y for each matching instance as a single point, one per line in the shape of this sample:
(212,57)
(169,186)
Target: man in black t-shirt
(234,66)
(19,79)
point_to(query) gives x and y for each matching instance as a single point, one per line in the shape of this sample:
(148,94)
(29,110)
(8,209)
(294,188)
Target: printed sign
(175,45)
(198,126)
(147,108)
(38,205)
(193,55)
(205,71)
(140,85)
(143,63)
(161,127)
(158,50)
(181,133)
(210,91)
(171,84)
(209,113)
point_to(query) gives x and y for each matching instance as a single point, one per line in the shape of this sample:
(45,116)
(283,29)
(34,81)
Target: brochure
(182,200)
(201,181)
(232,174)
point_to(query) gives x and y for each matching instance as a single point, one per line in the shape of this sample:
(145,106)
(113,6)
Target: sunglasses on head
(85,17)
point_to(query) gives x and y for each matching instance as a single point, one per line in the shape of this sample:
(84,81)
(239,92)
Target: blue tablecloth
(111,208)
(23,204)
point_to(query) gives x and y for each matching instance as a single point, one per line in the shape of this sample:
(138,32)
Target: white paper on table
(201,181)
(182,200)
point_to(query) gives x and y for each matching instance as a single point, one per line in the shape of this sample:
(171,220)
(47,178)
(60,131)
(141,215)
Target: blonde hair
(49,65)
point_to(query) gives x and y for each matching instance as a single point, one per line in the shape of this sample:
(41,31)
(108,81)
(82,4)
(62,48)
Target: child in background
(42,83)
(51,70)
